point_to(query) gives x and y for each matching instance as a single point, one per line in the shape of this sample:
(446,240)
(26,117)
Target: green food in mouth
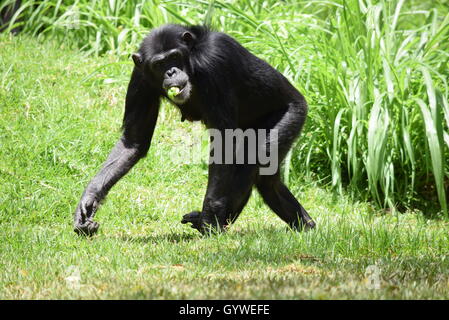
(173,92)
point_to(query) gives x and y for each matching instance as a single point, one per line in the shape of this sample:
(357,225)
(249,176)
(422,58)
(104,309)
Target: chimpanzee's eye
(157,64)
(175,56)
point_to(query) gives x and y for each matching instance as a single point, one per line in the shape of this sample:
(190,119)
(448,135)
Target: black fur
(225,87)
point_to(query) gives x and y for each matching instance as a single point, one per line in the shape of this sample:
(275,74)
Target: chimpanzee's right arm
(141,110)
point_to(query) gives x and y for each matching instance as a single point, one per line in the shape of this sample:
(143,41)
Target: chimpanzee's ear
(137,57)
(188,38)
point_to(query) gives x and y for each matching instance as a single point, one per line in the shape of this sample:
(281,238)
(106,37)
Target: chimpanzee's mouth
(175,88)
(182,93)
(181,88)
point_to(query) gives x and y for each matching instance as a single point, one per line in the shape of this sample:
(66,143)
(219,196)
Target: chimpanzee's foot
(194,218)
(304,224)
(88,228)
(308,224)
(198,222)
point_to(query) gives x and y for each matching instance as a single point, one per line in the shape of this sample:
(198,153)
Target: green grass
(374,72)
(61,114)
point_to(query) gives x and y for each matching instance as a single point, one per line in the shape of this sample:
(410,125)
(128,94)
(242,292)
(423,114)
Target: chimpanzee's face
(165,58)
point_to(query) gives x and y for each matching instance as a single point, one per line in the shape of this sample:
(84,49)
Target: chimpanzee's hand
(85,211)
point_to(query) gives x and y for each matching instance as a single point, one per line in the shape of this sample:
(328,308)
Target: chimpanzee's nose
(170,72)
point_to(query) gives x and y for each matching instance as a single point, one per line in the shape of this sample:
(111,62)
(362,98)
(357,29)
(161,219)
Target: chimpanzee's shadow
(174,237)
(177,237)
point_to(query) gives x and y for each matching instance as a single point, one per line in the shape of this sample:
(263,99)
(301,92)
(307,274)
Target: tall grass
(385,91)
(374,72)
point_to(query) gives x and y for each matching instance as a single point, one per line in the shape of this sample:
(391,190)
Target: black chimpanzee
(222,84)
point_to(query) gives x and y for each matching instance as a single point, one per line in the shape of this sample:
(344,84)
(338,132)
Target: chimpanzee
(211,78)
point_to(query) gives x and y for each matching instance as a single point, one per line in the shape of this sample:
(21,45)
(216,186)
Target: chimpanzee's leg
(233,215)
(272,189)
(229,185)
(229,188)
(283,203)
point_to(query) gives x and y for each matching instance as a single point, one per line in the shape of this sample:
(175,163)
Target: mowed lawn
(61,114)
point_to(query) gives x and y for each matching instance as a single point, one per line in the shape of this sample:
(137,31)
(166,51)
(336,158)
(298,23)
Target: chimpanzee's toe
(306,224)
(193,217)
